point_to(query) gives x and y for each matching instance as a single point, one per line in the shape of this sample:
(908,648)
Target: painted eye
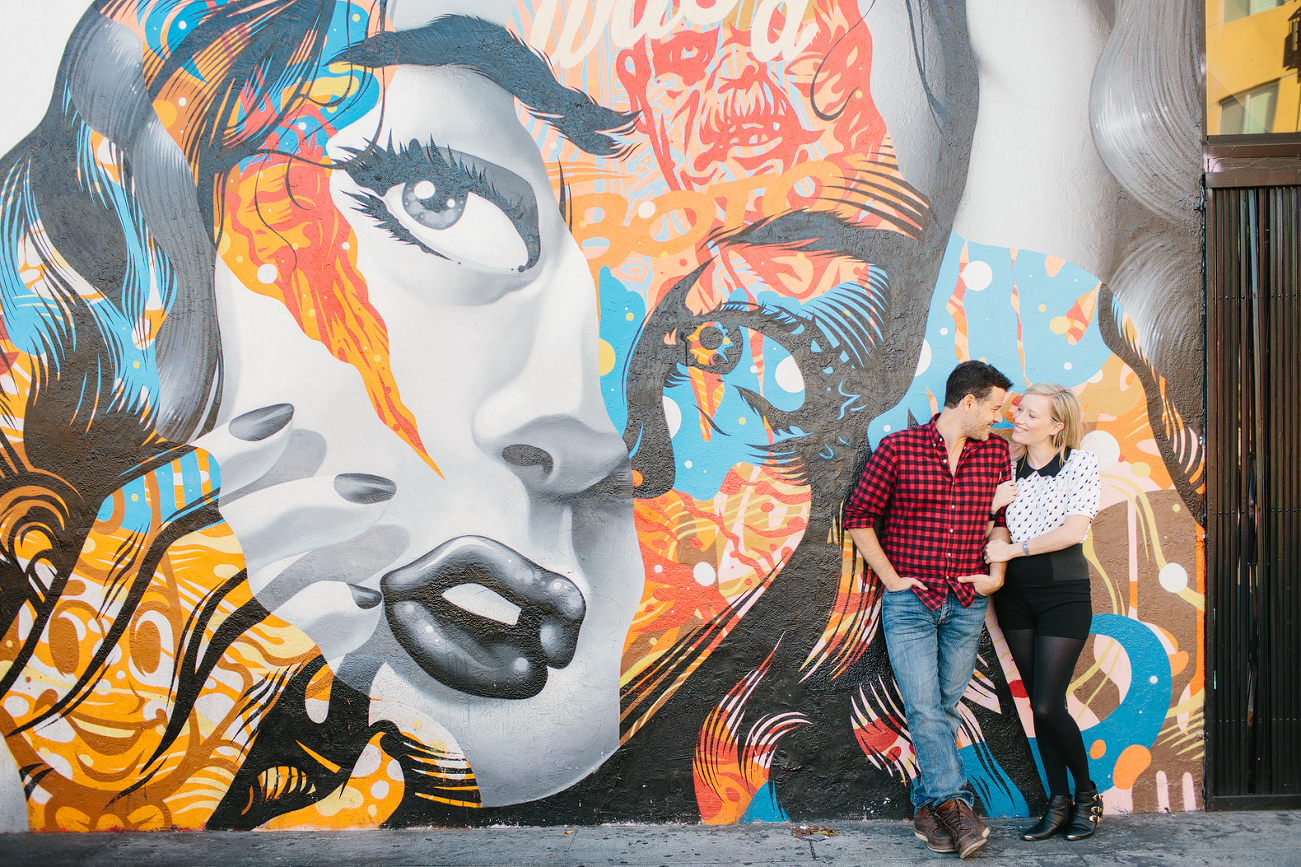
(458,224)
(452,205)
(430,206)
(714,347)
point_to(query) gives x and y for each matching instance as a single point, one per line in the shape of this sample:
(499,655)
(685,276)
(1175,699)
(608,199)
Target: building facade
(431,412)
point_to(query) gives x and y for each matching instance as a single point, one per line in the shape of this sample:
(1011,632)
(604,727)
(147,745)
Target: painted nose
(549,424)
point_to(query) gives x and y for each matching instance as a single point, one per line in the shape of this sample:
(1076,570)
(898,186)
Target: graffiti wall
(424,412)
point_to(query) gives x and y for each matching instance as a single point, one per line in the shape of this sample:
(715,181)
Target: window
(1235,9)
(1249,112)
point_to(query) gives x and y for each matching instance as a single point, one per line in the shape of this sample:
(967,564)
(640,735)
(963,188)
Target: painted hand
(311,545)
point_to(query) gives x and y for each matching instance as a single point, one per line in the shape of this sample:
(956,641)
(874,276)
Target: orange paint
(289,242)
(1133,761)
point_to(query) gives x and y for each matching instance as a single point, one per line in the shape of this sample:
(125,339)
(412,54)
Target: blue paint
(1142,712)
(622,314)
(764,807)
(992,318)
(999,794)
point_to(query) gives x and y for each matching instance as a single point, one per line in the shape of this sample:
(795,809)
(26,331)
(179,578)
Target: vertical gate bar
(1212,354)
(1281,699)
(1237,715)
(1275,395)
(1286,693)
(1267,571)
(1289,754)
(1246,534)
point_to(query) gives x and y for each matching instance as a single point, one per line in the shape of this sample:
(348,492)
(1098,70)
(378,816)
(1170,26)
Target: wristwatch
(1025,547)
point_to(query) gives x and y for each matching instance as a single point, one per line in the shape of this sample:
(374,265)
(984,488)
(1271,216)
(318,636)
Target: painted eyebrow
(499,56)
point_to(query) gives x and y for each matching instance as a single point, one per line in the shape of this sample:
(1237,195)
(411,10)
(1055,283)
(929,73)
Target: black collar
(1048,470)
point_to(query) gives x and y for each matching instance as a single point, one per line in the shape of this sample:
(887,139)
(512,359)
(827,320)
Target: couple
(933,491)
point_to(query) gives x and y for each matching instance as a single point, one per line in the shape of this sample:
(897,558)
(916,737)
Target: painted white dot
(944,332)
(182,25)
(887,428)
(658,569)
(380,789)
(182,101)
(451,203)
(924,361)
(424,189)
(788,375)
(646,209)
(687,464)
(1152,679)
(521,665)
(1066,366)
(1104,448)
(704,574)
(394,770)
(1173,577)
(754,368)
(267,273)
(977,275)
(672,416)
(346,245)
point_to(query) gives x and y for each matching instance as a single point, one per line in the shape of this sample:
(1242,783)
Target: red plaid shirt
(934,520)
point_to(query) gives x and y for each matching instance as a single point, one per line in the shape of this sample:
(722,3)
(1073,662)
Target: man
(931,487)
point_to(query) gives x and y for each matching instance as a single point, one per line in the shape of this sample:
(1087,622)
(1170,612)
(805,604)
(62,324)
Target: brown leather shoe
(927,829)
(969,833)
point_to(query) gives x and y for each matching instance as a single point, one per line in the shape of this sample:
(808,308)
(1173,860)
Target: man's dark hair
(975,378)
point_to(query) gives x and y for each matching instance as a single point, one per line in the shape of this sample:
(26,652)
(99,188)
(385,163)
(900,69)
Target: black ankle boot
(1057,817)
(1088,813)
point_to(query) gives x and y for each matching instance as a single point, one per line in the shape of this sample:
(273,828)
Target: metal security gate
(1253,503)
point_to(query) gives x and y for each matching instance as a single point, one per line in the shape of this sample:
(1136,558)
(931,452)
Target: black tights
(1046,663)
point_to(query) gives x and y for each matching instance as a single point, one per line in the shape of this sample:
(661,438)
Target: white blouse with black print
(1044,497)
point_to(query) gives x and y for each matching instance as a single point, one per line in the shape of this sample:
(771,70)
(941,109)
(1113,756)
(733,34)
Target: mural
(427,412)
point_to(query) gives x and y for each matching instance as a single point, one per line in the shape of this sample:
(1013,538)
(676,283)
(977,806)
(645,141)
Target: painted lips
(476,654)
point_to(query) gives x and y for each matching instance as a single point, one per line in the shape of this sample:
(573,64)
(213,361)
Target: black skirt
(1048,593)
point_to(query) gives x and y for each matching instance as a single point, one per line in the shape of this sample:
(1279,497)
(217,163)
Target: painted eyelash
(379,169)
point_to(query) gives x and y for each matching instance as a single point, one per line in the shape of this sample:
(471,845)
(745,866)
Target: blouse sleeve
(1085,492)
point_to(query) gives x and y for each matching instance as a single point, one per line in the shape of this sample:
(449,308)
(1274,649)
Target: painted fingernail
(365,597)
(261,423)
(364,488)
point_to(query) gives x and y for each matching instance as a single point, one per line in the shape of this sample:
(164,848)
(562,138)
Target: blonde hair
(1066,410)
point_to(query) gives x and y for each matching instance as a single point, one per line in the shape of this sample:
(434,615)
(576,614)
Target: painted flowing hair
(111,216)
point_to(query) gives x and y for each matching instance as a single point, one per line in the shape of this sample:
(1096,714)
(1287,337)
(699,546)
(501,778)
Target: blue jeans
(933,654)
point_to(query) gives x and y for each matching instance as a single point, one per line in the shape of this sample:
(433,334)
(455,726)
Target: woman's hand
(998,551)
(1003,495)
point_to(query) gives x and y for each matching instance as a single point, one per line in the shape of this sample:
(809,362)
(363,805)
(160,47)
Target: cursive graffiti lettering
(629,22)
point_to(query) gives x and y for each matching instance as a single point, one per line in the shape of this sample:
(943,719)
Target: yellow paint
(605,357)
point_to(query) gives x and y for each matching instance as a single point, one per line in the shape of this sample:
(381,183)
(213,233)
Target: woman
(317,231)
(1044,608)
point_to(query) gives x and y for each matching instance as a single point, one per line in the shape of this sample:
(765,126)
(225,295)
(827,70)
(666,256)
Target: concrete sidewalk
(1169,840)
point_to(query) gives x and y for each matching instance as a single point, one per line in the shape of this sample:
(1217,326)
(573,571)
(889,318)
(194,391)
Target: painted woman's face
(491,599)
